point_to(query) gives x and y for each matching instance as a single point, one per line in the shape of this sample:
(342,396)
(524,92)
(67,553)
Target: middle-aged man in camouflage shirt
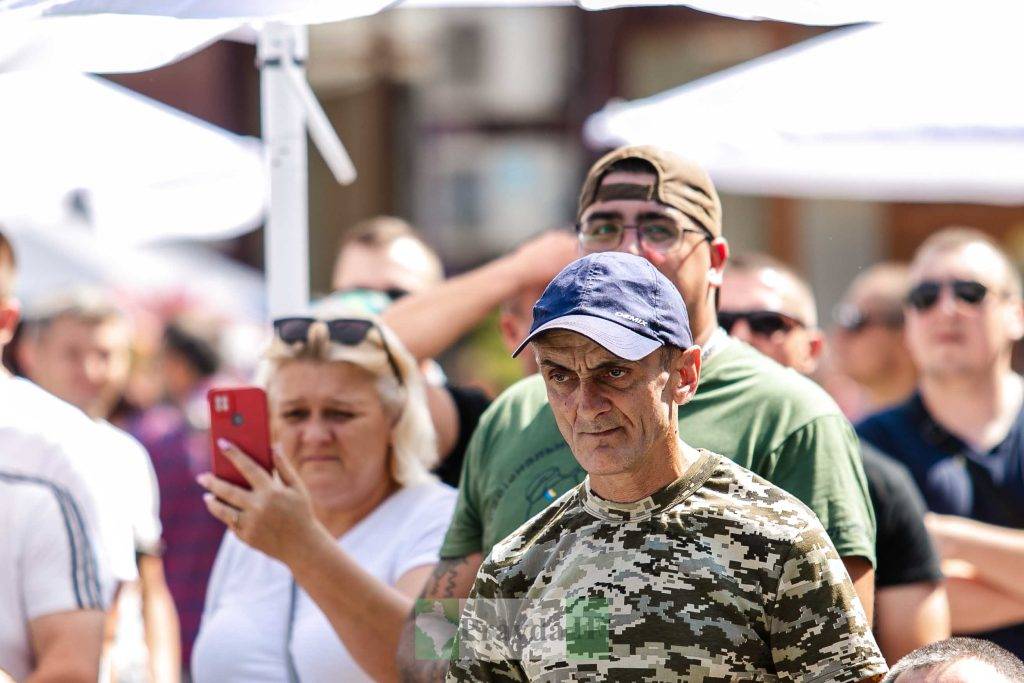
(667,563)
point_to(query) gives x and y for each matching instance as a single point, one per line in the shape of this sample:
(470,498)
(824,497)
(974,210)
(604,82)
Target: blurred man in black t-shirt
(768,305)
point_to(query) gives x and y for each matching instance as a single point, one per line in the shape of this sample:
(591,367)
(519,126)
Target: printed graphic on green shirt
(762,416)
(718,577)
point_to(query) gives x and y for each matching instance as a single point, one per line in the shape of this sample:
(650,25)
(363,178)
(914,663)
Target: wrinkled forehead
(568,349)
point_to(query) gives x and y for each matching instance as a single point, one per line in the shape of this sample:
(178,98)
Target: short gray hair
(957,649)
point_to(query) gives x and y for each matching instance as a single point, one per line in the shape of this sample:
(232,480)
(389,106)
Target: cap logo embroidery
(631,318)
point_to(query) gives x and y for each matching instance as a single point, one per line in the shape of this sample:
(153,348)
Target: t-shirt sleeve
(482,650)
(817,627)
(424,538)
(820,464)
(466,533)
(61,570)
(906,552)
(470,404)
(145,503)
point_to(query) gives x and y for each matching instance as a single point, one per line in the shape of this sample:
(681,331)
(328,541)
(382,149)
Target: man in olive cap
(648,202)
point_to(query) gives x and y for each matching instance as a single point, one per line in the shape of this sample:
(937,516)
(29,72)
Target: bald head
(768,305)
(775,286)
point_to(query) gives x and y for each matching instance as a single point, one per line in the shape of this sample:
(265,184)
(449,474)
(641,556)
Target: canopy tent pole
(287,106)
(283,120)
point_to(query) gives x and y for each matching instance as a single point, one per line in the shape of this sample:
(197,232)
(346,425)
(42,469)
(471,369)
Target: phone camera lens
(237,420)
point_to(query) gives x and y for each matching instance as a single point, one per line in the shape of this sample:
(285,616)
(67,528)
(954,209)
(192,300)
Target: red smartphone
(239,415)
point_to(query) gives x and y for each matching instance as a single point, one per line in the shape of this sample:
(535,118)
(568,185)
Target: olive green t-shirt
(767,418)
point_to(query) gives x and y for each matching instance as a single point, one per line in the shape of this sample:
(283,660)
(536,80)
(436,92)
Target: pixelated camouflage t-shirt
(769,419)
(720,576)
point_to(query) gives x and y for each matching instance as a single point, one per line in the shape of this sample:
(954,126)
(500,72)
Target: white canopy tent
(891,112)
(287,101)
(52,261)
(139,171)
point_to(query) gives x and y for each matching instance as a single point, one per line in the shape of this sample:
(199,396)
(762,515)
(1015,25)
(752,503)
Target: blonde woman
(327,556)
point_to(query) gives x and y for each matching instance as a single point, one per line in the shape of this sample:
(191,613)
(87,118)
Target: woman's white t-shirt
(244,632)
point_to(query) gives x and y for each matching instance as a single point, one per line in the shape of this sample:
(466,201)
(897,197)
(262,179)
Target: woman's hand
(275,517)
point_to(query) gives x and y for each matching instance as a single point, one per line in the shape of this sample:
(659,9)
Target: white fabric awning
(898,112)
(138,170)
(824,12)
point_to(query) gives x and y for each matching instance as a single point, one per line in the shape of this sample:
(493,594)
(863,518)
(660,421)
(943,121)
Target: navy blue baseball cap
(618,300)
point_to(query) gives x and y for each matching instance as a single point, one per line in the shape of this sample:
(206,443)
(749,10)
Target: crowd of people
(695,480)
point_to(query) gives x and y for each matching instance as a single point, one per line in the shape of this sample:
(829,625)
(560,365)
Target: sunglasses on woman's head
(344,331)
(926,294)
(763,323)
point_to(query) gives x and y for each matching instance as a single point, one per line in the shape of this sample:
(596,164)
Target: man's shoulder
(743,371)
(123,443)
(524,399)
(750,503)
(536,535)
(879,428)
(520,411)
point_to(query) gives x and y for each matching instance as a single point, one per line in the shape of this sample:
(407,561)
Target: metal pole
(283,120)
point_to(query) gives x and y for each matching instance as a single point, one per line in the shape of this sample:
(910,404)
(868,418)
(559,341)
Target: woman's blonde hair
(413,441)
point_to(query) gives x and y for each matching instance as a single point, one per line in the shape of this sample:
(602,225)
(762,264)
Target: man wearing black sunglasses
(867,340)
(962,432)
(911,609)
(766,305)
(645,201)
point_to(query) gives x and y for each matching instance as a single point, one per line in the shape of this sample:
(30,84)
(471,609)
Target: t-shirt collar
(656,503)
(929,429)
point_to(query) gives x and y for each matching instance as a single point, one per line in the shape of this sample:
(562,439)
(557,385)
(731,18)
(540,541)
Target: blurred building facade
(468,123)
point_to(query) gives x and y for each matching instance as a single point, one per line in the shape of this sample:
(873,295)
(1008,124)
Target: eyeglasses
(925,294)
(345,331)
(762,323)
(660,233)
(852,320)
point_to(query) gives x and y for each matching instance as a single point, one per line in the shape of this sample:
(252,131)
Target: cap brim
(621,341)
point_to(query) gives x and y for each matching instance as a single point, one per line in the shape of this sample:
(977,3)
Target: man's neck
(979,409)
(891,388)
(663,465)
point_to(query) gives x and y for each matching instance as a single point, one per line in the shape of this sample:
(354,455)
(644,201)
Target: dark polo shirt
(954,478)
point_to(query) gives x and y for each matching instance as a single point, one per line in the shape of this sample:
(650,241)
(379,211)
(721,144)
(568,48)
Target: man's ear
(1015,320)
(686,372)
(815,349)
(10,313)
(509,331)
(719,255)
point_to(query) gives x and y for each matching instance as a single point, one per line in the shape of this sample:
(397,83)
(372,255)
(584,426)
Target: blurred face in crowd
(328,419)
(613,413)
(84,362)
(868,341)
(515,322)
(767,309)
(974,317)
(402,265)
(694,265)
